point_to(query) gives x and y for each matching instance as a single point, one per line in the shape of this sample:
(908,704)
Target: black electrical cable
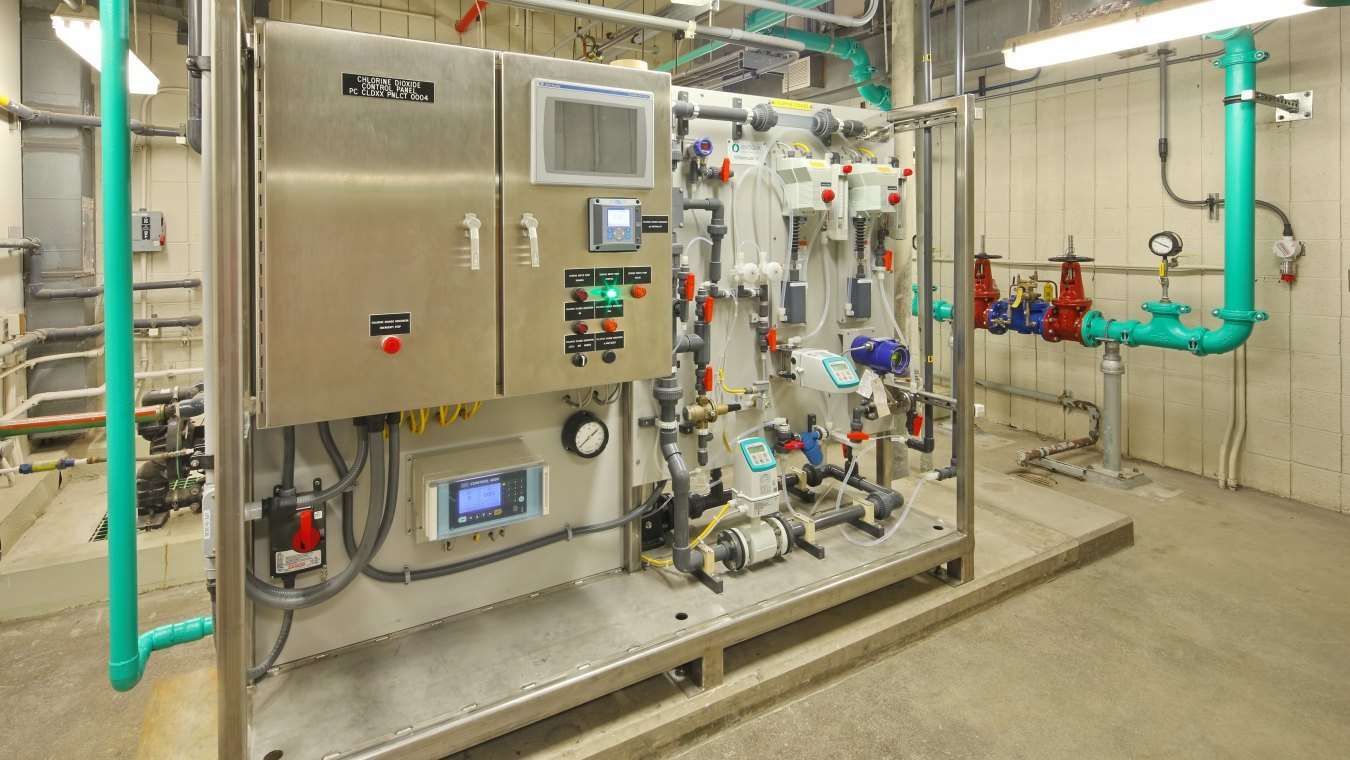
(261,668)
(390,507)
(288,458)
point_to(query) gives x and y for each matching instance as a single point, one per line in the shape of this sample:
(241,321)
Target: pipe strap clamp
(1239,315)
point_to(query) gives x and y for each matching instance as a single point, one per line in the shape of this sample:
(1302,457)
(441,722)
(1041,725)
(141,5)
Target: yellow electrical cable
(868,152)
(722,378)
(806,148)
(468,415)
(713,524)
(444,410)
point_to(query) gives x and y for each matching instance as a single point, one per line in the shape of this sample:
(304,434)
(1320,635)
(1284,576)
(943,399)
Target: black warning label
(399,323)
(389,88)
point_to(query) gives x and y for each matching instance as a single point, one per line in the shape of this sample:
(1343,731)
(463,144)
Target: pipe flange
(851,128)
(763,118)
(824,124)
(736,549)
(783,528)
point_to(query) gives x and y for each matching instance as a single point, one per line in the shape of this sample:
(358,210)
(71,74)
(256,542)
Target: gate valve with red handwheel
(1064,320)
(986,290)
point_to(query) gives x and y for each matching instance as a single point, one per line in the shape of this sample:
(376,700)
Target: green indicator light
(611,294)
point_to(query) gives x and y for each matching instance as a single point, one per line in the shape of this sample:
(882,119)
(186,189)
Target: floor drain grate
(101,532)
(1035,478)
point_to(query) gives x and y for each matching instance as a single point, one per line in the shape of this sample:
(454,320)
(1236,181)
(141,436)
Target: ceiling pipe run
(814,15)
(688,28)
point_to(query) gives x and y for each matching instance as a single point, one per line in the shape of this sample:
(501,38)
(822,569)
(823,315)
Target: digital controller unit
(467,499)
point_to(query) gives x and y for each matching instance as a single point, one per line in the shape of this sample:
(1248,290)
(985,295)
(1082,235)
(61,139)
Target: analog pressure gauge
(585,435)
(1165,244)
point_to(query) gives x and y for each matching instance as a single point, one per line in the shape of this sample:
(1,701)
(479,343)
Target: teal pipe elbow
(127,652)
(877,96)
(1165,329)
(942,310)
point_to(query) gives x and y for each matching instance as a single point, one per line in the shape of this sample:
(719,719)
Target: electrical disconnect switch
(147,231)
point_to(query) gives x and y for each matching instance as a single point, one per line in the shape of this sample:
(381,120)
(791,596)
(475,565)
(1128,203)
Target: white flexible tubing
(913,496)
(829,292)
(890,312)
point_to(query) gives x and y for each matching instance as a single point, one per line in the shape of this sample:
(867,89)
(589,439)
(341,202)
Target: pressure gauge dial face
(1165,244)
(585,435)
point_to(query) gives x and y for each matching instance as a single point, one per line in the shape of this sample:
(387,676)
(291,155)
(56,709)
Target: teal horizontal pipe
(1239,314)
(852,51)
(942,310)
(127,652)
(757,21)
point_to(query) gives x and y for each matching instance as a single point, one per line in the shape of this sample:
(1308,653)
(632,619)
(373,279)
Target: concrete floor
(1222,633)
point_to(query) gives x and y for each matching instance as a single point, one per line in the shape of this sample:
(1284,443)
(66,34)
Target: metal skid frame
(752,606)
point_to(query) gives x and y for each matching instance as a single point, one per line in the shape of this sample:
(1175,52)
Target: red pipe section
(470,16)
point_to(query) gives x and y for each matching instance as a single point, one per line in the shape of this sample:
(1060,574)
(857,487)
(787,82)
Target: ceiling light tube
(82,35)
(1139,27)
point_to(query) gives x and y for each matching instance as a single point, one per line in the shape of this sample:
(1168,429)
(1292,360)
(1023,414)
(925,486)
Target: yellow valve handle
(868,152)
(805,148)
(1162,269)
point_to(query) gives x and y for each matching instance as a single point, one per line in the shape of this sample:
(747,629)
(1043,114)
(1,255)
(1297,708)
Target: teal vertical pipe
(852,51)
(1165,329)
(124,662)
(127,651)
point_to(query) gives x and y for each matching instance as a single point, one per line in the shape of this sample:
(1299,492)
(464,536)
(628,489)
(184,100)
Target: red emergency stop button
(306,539)
(609,325)
(827,195)
(390,344)
(894,198)
(639,291)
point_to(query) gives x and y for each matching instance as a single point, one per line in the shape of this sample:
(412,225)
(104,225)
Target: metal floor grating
(101,532)
(1036,478)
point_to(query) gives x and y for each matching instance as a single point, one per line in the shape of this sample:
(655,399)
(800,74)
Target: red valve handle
(726,170)
(707,380)
(772,338)
(689,287)
(306,539)
(857,436)
(889,257)
(918,424)
(708,311)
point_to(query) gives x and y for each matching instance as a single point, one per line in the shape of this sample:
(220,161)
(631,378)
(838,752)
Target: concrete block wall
(1081,159)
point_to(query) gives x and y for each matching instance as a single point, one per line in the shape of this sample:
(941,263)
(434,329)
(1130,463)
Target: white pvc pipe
(29,363)
(40,398)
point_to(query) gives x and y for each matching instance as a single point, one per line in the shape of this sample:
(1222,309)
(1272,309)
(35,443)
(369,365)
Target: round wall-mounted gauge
(1165,244)
(585,435)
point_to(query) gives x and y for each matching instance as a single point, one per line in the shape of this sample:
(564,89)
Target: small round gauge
(1165,244)
(585,435)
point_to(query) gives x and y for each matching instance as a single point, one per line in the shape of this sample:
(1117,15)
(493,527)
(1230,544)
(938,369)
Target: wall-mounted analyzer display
(616,224)
(471,491)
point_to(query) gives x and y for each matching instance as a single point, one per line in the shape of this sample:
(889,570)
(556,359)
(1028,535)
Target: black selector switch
(579,360)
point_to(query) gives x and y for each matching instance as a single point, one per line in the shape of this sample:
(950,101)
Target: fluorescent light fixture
(83,36)
(1151,24)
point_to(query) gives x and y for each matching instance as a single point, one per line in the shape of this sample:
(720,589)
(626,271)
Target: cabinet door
(551,340)
(372,153)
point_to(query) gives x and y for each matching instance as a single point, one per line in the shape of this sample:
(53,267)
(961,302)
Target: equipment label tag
(389,88)
(655,224)
(290,562)
(390,324)
(746,152)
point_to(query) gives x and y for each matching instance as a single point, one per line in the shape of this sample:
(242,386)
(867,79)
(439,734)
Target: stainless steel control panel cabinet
(376,168)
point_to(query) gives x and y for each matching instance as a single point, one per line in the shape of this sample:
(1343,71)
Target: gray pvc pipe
(26,244)
(51,334)
(614,15)
(1113,369)
(80,120)
(814,15)
(36,290)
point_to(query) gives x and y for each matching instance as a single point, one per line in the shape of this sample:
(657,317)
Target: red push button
(609,325)
(391,344)
(639,291)
(894,198)
(580,328)
(827,195)
(848,168)
(908,172)
(580,295)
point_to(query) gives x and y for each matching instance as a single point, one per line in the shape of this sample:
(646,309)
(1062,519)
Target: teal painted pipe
(877,96)
(942,310)
(1239,314)
(127,652)
(757,21)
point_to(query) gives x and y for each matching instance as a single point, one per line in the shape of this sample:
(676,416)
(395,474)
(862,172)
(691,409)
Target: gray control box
(615,224)
(147,230)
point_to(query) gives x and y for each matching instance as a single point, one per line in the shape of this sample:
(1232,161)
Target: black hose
(288,458)
(258,671)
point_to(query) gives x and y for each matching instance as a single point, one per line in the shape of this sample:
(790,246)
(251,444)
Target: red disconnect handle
(306,539)
(890,260)
(857,436)
(726,170)
(707,380)
(772,338)
(689,288)
(918,424)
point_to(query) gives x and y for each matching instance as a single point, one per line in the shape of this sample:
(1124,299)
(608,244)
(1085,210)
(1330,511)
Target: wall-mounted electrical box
(147,231)
(462,491)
